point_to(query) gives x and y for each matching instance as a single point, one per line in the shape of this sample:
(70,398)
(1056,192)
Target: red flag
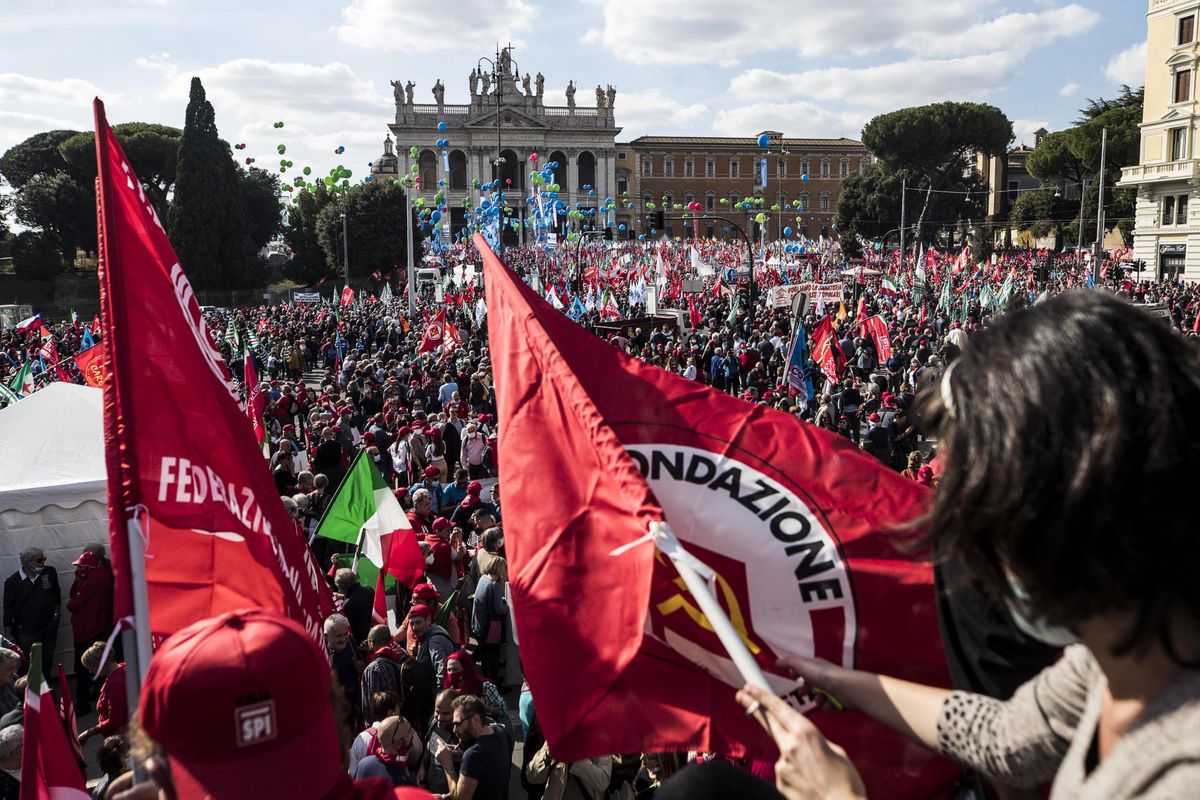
(91,365)
(435,332)
(95,324)
(860,313)
(347,296)
(693,314)
(181,454)
(66,710)
(826,350)
(256,401)
(876,328)
(48,767)
(790,518)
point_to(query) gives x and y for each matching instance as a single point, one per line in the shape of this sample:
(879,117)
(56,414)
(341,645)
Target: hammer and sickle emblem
(679,602)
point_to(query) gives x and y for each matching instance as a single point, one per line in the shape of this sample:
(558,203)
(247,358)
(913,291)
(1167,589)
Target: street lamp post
(500,61)
(345,251)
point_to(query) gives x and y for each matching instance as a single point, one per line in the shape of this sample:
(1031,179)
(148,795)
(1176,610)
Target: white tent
(52,484)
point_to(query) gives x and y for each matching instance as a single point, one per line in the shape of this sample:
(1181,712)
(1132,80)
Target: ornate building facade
(506,114)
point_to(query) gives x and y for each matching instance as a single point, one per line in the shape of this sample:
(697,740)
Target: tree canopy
(152,149)
(375,221)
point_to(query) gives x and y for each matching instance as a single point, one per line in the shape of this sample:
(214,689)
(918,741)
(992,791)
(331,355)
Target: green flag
(22,382)
(733,309)
(232,338)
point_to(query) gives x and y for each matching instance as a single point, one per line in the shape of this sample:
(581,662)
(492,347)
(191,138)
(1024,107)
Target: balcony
(1154,173)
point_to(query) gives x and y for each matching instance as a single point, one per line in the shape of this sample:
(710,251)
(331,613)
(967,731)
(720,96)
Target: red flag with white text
(347,296)
(826,350)
(792,519)
(876,328)
(91,365)
(256,401)
(181,454)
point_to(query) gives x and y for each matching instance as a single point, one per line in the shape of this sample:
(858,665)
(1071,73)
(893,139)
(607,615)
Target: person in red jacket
(112,709)
(90,606)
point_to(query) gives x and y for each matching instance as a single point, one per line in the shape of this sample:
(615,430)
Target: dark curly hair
(1070,441)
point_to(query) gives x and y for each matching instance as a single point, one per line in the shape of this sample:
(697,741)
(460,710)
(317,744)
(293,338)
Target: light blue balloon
(804,177)
(441,127)
(621,227)
(787,231)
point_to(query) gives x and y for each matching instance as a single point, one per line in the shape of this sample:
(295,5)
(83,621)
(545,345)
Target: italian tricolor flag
(889,288)
(48,766)
(365,512)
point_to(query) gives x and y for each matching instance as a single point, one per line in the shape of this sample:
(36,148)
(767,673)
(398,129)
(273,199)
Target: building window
(804,201)
(1187,29)
(1013,186)
(1168,210)
(710,201)
(647,166)
(1181,209)
(734,199)
(804,167)
(647,199)
(668,201)
(622,184)
(824,201)
(862,164)
(710,167)
(781,168)
(689,198)
(621,156)
(733,167)
(1183,86)
(689,168)
(824,168)
(1178,141)
(668,167)
(844,168)
(710,231)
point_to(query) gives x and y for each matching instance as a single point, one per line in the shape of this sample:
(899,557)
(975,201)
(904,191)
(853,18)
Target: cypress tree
(205,222)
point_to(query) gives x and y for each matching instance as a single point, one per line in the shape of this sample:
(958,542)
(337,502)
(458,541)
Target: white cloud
(1023,130)
(1128,67)
(798,118)
(271,90)
(714,31)
(900,83)
(1069,89)
(22,91)
(645,112)
(1021,32)
(414,26)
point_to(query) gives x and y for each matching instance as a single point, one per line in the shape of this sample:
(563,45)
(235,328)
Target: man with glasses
(31,605)
(483,774)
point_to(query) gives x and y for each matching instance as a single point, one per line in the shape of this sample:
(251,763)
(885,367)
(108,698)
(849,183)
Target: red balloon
(508,181)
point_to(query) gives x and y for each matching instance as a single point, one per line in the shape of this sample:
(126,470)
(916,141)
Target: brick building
(705,169)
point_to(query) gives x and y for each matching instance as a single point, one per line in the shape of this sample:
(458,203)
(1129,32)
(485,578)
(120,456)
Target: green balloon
(308,170)
(761,218)
(282,149)
(415,169)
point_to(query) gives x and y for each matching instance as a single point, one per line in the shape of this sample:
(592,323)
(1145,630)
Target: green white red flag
(49,770)
(365,510)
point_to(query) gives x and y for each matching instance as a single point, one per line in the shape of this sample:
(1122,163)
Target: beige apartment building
(1167,232)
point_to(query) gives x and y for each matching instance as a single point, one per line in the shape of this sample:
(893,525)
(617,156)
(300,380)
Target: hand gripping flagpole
(699,579)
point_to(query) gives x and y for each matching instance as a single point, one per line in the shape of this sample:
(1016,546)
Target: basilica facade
(506,115)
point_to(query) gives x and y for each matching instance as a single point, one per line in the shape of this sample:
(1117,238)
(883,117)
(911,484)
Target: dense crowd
(437,699)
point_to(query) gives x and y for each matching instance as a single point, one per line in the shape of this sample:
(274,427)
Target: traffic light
(654,220)
(608,233)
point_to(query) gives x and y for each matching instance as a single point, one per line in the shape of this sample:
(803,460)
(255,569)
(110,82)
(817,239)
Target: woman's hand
(817,673)
(810,767)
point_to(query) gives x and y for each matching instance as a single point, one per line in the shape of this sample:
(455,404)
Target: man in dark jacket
(31,605)
(357,605)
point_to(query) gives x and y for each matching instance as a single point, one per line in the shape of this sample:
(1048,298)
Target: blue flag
(87,340)
(577,310)
(798,375)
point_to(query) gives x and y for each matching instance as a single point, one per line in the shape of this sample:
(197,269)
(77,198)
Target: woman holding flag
(1064,500)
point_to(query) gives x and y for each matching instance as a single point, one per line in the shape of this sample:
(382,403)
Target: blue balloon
(641,237)
(726,229)
(442,127)
(804,177)
(621,227)
(764,140)
(787,231)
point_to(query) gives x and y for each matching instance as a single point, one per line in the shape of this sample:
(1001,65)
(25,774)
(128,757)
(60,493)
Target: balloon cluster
(339,149)
(278,124)
(240,146)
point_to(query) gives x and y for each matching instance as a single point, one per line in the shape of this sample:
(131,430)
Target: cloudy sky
(701,67)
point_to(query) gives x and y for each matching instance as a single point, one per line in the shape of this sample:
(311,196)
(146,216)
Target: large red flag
(791,519)
(694,318)
(181,454)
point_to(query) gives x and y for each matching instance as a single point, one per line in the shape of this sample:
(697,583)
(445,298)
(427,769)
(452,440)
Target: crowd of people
(437,700)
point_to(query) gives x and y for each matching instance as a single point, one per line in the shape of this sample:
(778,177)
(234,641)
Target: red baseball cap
(420,610)
(474,487)
(426,591)
(441,524)
(87,559)
(238,701)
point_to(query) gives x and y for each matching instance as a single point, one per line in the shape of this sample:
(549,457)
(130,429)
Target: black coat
(357,609)
(32,606)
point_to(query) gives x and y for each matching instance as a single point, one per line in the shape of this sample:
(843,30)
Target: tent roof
(53,445)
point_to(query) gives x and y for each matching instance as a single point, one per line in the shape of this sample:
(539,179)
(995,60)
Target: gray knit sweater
(1045,731)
